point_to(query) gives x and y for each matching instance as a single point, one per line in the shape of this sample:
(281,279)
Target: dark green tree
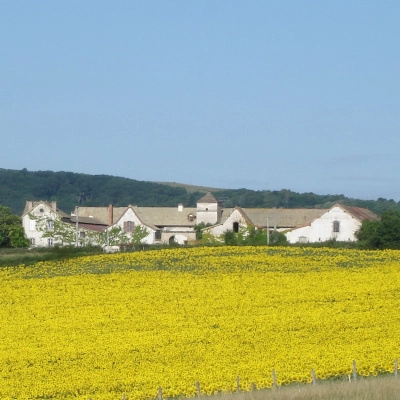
(11,231)
(231,238)
(198,228)
(383,234)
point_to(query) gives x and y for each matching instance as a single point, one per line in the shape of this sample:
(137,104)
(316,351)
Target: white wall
(31,230)
(220,229)
(208,213)
(321,229)
(131,216)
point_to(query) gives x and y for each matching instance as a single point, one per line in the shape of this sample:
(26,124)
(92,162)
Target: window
(32,241)
(50,242)
(157,235)
(82,235)
(191,217)
(336,226)
(32,225)
(235,227)
(129,226)
(50,225)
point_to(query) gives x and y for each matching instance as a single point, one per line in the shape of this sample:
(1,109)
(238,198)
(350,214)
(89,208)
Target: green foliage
(199,230)
(383,234)
(368,236)
(208,239)
(231,238)
(254,236)
(113,236)
(61,232)
(71,189)
(11,230)
(138,234)
(277,239)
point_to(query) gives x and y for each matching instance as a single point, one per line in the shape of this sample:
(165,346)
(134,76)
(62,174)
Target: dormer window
(191,217)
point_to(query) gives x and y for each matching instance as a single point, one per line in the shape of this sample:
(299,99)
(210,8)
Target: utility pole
(267,231)
(76,227)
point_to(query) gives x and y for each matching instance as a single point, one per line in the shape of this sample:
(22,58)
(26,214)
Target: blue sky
(264,95)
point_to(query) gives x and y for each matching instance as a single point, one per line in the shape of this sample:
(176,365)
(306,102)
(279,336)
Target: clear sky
(265,95)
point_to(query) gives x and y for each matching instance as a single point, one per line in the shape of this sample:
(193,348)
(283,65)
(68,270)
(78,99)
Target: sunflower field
(107,326)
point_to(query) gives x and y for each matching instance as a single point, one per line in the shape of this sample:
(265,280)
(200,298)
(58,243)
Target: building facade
(46,225)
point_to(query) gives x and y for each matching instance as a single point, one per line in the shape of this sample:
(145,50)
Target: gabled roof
(86,220)
(282,217)
(208,198)
(151,216)
(359,213)
(101,213)
(30,205)
(167,216)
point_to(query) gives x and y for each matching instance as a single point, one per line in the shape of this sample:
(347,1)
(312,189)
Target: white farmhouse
(299,225)
(278,219)
(163,225)
(338,223)
(39,217)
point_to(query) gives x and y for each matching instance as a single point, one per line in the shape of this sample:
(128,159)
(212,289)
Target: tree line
(70,189)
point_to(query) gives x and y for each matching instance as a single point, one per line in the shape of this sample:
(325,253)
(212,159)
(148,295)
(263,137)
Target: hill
(70,189)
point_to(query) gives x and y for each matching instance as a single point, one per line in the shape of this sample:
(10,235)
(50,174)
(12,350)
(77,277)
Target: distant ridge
(192,188)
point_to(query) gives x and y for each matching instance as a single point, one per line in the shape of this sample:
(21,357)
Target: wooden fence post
(274,385)
(160,393)
(198,389)
(313,377)
(396,366)
(354,370)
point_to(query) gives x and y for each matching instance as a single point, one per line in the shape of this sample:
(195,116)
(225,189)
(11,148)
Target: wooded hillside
(71,189)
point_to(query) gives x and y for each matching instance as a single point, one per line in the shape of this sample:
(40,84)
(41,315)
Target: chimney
(180,207)
(54,205)
(29,204)
(110,215)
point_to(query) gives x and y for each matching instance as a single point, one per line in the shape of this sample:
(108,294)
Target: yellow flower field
(102,326)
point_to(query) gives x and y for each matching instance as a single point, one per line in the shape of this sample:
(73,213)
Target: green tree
(231,238)
(277,239)
(113,236)
(138,234)
(368,236)
(254,236)
(11,231)
(64,233)
(199,229)
(383,234)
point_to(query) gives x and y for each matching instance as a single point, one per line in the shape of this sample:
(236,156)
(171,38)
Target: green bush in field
(11,231)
